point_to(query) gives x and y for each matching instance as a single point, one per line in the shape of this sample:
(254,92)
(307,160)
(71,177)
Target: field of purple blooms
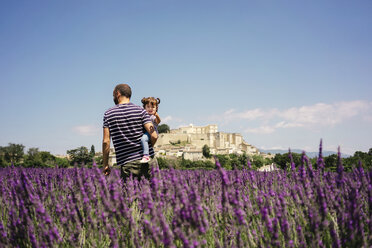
(81,207)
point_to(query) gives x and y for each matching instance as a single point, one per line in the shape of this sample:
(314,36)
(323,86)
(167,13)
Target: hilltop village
(188,142)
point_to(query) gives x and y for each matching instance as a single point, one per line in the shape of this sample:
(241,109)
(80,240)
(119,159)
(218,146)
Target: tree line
(282,161)
(330,162)
(14,154)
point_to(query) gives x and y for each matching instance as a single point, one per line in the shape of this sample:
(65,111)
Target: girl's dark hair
(151,100)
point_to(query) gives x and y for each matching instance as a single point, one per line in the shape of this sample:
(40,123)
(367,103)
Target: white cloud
(252,114)
(284,124)
(262,130)
(311,116)
(230,111)
(87,130)
(324,114)
(273,148)
(167,118)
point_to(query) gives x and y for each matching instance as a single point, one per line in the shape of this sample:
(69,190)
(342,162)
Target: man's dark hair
(124,90)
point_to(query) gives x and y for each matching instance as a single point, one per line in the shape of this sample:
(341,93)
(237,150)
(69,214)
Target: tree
(79,155)
(47,158)
(62,162)
(92,152)
(257,161)
(33,158)
(36,158)
(283,160)
(3,163)
(330,162)
(225,161)
(243,159)
(13,153)
(353,161)
(206,151)
(163,128)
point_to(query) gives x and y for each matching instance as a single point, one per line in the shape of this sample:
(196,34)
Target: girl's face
(151,109)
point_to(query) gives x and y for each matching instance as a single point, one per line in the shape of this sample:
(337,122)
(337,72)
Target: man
(125,123)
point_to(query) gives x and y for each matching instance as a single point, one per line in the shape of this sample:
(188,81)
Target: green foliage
(242,159)
(62,162)
(235,161)
(206,151)
(199,164)
(163,128)
(283,161)
(33,158)
(3,163)
(257,161)
(364,157)
(99,160)
(225,161)
(13,153)
(79,156)
(36,158)
(92,152)
(330,161)
(184,164)
(163,163)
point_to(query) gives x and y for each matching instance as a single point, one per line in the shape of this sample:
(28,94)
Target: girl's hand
(157,118)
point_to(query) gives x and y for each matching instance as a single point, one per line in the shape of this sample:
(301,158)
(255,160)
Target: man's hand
(107,170)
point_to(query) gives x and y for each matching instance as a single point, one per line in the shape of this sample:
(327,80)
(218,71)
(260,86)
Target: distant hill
(309,154)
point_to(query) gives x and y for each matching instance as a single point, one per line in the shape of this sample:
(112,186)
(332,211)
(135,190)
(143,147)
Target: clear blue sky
(284,74)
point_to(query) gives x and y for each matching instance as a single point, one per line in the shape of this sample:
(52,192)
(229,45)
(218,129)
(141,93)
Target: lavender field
(81,207)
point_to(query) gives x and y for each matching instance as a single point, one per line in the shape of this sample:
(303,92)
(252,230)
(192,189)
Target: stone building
(112,157)
(189,141)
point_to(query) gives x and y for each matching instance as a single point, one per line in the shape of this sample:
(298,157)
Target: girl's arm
(157,120)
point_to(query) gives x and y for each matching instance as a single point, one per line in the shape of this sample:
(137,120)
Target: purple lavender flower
(340,169)
(293,166)
(320,160)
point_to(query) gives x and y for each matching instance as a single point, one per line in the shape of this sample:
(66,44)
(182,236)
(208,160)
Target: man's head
(122,90)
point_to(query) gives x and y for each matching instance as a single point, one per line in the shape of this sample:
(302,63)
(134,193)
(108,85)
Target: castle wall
(193,156)
(191,129)
(168,138)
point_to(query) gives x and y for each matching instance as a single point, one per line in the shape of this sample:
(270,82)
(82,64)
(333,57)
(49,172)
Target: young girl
(151,105)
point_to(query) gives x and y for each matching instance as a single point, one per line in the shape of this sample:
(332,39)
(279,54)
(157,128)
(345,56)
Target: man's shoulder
(132,105)
(110,110)
(129,107)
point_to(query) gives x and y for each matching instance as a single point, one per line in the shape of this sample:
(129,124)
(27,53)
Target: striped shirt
(126,124)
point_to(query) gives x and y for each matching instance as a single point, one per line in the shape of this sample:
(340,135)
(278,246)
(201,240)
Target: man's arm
(151,130)
(106,150)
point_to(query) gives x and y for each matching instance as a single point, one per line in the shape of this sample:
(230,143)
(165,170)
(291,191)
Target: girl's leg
(145,143)
(145,146)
